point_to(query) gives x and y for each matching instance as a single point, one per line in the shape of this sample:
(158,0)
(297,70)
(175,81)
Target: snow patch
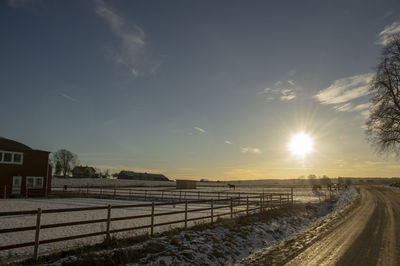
(227,245)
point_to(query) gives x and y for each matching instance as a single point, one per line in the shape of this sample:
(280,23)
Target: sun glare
(300,144)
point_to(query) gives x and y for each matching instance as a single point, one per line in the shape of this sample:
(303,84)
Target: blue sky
(195,89)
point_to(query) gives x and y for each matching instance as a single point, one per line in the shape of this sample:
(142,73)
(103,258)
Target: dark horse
(231,186)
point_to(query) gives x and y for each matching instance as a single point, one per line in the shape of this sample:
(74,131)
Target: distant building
(83,172)
(141,176)
(23,171)
(186,184)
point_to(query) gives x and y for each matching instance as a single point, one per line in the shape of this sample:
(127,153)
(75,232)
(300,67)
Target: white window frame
(12,157)
(34,178)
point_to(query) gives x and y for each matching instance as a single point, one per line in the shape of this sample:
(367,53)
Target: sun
(301,144)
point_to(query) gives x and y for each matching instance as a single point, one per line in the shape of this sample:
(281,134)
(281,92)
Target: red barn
(23,171)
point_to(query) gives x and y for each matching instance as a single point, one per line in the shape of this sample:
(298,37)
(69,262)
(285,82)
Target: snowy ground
(219,245)
(52,218)
(94,182)
(395,188)
(300,195)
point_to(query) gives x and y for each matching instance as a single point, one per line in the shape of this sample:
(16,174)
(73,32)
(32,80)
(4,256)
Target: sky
(196,89)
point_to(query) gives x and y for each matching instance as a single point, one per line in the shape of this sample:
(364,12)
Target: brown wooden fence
(157,194)
(226,207)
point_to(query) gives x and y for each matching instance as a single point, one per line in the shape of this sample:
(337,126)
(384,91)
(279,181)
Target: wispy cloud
(343,107)
(345,89)
(200,129)
(387,32)
(283,90)
(252,150)
(132,38)
(291,73)
(68,97)
(227,142)
(348,107)
(361,107)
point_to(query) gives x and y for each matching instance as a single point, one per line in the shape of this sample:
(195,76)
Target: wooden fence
(214,209)
(158,194)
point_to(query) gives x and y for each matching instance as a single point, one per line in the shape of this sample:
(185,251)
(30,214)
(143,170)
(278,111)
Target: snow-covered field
(106,182)
(222,245)
(303,195)
(300,194)
(395,188)
(52,218)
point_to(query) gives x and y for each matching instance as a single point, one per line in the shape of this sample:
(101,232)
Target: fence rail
(156,194)
(215,209)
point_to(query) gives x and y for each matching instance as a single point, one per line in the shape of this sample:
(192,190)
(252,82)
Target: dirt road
(366,234)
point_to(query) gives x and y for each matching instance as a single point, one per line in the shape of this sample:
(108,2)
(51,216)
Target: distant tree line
(324,180)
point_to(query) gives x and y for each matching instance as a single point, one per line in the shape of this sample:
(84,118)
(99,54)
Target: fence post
(152,219)
(218,196)
(37,235)
(212,211)
(162,195)
(130,193)
(108,222)
(280,200)
(263,200)
(261,203)
(186,214)
(231,208)
(247,205)
(145,194)
(198,195)
(291,194)
(180,195)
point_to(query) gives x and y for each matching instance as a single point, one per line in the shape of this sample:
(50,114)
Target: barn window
(34,182)
(10,157)
(29,182)
(7,156)
(17,158)
(39,182)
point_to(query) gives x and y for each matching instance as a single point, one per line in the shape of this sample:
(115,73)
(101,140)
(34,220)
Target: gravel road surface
(367,233)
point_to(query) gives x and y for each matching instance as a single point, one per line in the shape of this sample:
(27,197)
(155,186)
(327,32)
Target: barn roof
(8,144)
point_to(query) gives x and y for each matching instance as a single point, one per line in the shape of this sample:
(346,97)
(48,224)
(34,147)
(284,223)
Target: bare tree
(65,159)
(312,179)
(325,180)
(57,169)
(383,125)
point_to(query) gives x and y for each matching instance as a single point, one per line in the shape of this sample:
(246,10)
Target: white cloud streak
(252,150)
(284,93)
(68,97)
(387,32)
(227,142)
(345,89)
(132,39)
(361,107)
(348,107)
(200,129)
